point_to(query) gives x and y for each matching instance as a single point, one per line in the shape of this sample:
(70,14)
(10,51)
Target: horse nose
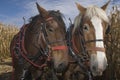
(61,67)
(100,71)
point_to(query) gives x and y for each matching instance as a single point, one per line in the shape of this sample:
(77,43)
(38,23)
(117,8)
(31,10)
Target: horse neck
(32,41)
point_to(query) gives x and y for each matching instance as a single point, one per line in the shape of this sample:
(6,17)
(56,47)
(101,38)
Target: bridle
(47,51)
(48,43)
(83,61)
(74,51)
(20,50)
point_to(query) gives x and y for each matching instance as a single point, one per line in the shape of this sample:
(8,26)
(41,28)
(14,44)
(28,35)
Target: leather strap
(96,49)
(59,48)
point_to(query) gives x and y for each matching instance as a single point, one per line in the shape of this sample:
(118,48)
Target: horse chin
(60,70)
(96,73)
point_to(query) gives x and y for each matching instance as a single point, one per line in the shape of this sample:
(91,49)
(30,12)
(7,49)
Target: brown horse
(40,46)
(87,46)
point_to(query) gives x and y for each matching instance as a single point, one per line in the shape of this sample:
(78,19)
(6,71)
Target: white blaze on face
(101,57)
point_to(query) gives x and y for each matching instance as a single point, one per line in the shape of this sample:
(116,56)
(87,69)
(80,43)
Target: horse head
(91,24)
(47,32)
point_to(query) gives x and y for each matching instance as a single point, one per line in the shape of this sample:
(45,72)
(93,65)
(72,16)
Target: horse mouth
(60,70)
(97,73)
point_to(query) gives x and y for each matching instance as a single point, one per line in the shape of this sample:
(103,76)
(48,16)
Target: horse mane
(91,11)
(57,15)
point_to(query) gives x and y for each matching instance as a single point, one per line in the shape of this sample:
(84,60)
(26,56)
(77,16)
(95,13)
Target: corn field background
(112,41)
(113,45)
(6,34)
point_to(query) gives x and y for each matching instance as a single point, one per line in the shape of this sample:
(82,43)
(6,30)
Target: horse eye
(50,29)
(86,27)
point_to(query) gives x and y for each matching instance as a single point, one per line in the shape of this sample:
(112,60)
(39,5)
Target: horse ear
(105,6)
(81,8)
(42,11)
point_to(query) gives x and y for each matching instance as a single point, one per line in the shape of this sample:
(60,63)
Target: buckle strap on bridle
(96,49)
(59,48)
(89,41)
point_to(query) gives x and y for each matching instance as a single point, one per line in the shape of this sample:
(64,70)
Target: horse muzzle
(61,68)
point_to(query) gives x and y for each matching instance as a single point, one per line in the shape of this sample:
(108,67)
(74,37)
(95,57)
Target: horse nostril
(62,66)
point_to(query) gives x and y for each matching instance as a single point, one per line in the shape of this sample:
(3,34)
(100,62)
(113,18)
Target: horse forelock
(55,14)
(91,11)
(96,11)
(58,16)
